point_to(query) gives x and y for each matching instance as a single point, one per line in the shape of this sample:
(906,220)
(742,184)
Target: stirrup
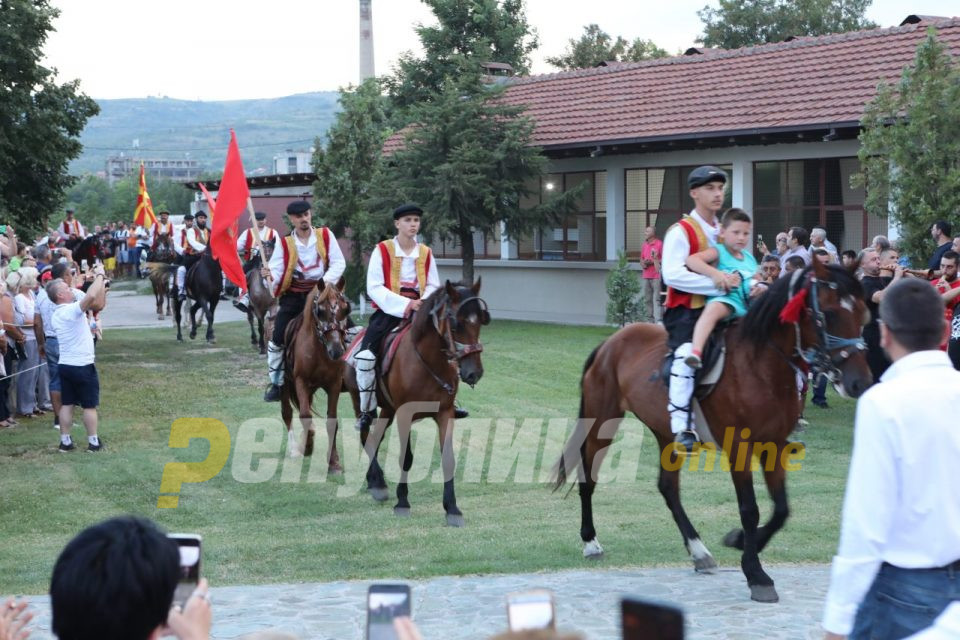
(693,361)
(685,442)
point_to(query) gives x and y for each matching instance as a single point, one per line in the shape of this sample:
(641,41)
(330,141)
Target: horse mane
(762,318)
(421,319)
(328,293)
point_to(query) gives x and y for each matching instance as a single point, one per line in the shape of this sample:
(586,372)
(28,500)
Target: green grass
(277,531)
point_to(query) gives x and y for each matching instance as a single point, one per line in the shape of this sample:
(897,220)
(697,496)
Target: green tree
(910,147)
(742,23)
(96,202)
(596,46)
(346,167)
(40,120)
(623,291)
(472,31)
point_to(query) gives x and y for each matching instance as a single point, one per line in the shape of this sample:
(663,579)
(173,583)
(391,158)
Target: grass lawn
(288,529)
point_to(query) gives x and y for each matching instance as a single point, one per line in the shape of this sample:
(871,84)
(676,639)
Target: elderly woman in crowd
(21,285)
(11,336)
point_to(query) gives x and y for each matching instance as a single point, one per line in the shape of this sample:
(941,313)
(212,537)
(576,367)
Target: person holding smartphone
(650,276)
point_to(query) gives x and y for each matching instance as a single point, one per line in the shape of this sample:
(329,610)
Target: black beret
(189,216)
(260,215)
(406,210)
(69,210)
(705,174)
(298,207)
(163,213)
(201,213)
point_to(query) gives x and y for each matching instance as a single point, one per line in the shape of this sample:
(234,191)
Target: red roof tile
(802,83)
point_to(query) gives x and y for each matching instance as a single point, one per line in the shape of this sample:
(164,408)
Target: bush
(623,289)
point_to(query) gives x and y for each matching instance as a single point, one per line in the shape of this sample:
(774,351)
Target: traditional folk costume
(194,243)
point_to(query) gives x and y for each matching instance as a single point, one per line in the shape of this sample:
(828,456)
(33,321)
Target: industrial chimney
(366,40)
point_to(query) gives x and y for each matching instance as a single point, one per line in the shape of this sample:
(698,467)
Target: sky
(230,49)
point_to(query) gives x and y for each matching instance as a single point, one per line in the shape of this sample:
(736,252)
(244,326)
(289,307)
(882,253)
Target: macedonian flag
(143,215)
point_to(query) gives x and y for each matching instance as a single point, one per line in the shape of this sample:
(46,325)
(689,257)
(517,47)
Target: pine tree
(623,291)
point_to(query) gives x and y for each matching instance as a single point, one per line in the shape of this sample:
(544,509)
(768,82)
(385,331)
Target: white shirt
(46,307)
(309,263)
(676,248)
(266,234)
(155,230)
(902,504)
(393,303)
(24,306)
(73,334)
(194,241)
(801,251)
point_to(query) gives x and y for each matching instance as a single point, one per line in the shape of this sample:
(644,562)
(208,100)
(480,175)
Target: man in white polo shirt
(79,383)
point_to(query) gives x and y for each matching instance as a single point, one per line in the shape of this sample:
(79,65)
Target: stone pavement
(127,309)
(461,607)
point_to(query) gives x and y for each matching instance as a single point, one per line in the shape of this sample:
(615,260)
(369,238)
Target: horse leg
(376,483)
(775,476)
(761,585)
(669,486)
(263,345)
(210,308)
(333,461)
(193,320)
(178,316)
(402,508)
(449,462)
(286,412)
(304,400)
(253,334)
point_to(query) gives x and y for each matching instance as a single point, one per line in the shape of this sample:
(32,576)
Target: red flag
(210,201)
(143,214)
(231,203)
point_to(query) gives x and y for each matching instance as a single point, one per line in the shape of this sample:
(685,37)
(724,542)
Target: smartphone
(531,610)
(189,545)
(650,620)
(759,239)
(384,603)
(83,265)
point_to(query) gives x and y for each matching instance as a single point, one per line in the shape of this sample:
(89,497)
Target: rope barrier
(13,375)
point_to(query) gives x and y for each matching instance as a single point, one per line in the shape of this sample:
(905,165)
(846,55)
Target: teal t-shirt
(746,266)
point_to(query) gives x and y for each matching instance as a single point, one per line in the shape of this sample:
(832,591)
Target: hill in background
(174,129)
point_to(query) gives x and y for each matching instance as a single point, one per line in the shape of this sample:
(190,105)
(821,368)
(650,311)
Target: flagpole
(256,233)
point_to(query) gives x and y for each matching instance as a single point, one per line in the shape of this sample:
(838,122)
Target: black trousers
(679,323)
(380,325)
(289,307)
(188,260)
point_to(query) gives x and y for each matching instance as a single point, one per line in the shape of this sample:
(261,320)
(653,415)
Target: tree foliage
(623,291)
(40,120)
(743,23)
(910,147)
(472,31)
(95,202)
(596,46)
(347,167)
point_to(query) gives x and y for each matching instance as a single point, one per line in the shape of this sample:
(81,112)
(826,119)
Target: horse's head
(458,315)
(268,250)
(831,325)
(330,311)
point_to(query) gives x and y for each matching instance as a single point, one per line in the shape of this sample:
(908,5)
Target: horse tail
(574,446)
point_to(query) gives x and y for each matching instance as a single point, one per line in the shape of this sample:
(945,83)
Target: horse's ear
(321,285)
(341,283)
(451,291)
(820,270)
(476,286)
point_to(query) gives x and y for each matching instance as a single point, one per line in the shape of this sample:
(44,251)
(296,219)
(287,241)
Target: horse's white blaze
(847,303)
(697,549)
(592,549)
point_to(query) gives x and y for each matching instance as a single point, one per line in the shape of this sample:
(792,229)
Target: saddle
(388,348)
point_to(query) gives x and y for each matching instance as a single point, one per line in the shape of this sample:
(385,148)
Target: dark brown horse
(263,306)
(313,351)
(160,270)
(204,284)
(444,340)
(751,411)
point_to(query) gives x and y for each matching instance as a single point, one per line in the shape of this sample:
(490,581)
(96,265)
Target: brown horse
(160,270)
(263,306)
(752,409)
(314,347)
(444,338)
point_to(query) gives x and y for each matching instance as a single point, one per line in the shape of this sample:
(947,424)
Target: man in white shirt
(46,307)
(818,240)
(195,241)
(79,383)
(797,239)
(401,273)
(898,563)
(686,292)
(247,248)
(305,257)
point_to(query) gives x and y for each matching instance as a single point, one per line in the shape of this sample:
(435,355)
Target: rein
(444,317)
(321,329)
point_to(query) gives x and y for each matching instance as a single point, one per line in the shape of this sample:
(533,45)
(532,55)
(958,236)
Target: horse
(443,339)
(204,285)
(263,306)
(89,249)
(313,351)
(160,270)
(765,351)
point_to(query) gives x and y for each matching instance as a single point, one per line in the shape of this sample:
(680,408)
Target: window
(813,193)
(657,198)
(292,164)
(485,247)
(581,235)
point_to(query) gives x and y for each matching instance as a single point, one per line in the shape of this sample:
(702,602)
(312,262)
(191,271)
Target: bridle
(444,318)
(322,329)
(820,356)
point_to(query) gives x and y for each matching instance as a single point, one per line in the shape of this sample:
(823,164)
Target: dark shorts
(79,385)
(52,347)
(679,323)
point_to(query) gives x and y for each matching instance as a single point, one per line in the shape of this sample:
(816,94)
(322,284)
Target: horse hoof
(401,512)
(295,453)
(705,564)
(592,550)
(763,593)
(159,317)
(734,539)
(379,494)
(455,520)
(212,341)
(334,470)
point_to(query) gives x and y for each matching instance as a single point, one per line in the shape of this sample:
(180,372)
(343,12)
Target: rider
(729,256)
(401,273)
(160,228)
(686,290)
(248,250)
(304,257)
(195,241)
(71,227)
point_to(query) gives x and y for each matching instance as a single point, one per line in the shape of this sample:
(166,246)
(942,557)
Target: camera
(649,620)
(384,603)
(189,546)
(528,610)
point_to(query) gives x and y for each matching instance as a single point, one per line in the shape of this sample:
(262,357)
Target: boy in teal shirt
(730,257)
